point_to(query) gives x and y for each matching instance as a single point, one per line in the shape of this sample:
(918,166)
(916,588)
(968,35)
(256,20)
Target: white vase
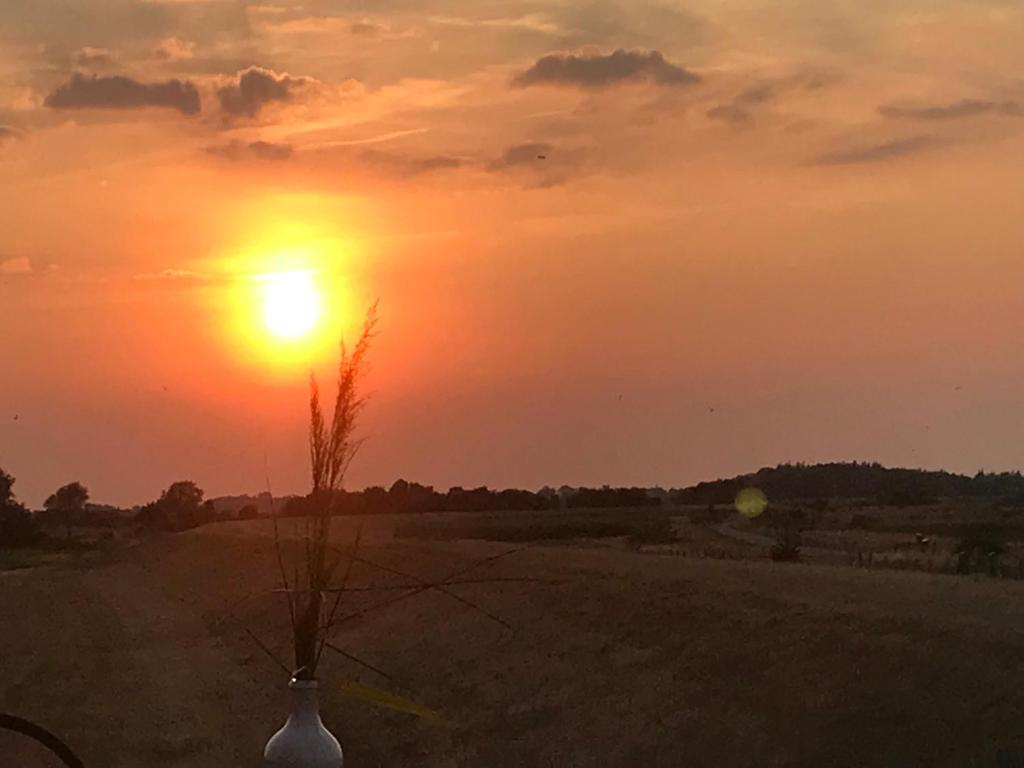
(303,742)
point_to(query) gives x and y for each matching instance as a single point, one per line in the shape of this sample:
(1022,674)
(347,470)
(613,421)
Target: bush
(979,550)
(787,545)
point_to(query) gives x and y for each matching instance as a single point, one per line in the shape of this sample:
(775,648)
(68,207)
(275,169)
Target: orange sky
(805,215)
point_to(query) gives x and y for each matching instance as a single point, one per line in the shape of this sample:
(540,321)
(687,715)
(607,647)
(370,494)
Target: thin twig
(267,651)
(357,660)
(438,586)
(341,591)
(277,539)
(419,590)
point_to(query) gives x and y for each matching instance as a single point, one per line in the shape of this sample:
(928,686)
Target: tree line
(852,480)
(183,505)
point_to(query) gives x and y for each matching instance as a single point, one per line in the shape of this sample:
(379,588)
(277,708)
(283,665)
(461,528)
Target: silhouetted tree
(17,527)
(67,504)
(179,507)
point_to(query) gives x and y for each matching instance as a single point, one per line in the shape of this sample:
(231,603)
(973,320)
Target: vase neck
(304,700)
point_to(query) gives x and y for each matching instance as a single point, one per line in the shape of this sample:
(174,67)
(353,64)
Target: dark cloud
(521,154)
(254,87)
(540,165)
(731,113)
(876,153)
(759,93)
(953,111)
(256,150)
(603,70)
(117,92)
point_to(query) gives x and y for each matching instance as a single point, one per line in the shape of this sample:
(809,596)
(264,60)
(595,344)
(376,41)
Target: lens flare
(751,502)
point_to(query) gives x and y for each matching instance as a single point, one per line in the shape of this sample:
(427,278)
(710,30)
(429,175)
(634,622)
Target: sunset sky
(620,242)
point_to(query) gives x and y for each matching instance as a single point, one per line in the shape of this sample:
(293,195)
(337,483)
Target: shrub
(787,545)
(979,550)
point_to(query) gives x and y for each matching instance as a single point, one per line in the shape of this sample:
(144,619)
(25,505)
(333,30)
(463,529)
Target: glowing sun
(291,304)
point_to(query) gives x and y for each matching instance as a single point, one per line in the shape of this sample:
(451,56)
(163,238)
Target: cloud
(174,49)
(731,113)
(19,265)
(534,22)
(257,150)
(172,274)
(435,163)
(118,92)
(876,153)
(544,165)
(93,57)
(741,109)
(953,111)
(9,133)
(367,28)
(254,87)
(595,70)
(406,165)
(521,154)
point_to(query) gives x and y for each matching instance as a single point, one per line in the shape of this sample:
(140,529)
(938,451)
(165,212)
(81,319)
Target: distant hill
(788,482)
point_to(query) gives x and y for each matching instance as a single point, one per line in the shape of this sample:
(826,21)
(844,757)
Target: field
(647,639)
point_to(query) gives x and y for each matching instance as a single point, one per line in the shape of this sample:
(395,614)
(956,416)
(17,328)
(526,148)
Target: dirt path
(126,673)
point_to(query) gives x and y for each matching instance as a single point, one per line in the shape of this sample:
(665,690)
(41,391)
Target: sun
(291,304)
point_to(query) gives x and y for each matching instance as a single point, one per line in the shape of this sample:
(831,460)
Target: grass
(546,527)
(622,659)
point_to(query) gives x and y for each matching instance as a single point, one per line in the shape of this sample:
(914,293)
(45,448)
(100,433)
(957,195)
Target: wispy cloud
(741,109)
(875,153)
(89,56)
(953,111)
(255,150)
(536,22)
(174,49)
(173,274)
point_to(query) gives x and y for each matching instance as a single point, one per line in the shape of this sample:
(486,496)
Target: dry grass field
(631,650)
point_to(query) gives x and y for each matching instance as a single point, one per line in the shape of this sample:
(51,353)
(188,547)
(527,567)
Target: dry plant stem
(331,450)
